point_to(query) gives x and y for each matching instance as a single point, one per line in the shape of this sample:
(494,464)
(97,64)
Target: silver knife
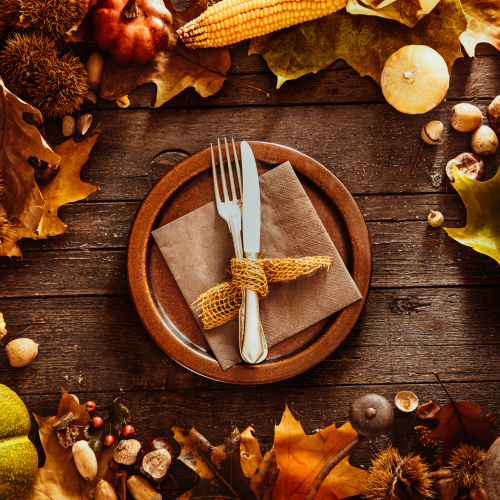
(253,346)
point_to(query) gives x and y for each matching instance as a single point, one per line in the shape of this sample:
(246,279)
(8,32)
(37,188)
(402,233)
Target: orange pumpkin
(132,30)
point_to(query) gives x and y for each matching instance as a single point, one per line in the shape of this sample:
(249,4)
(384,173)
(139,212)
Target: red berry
(91,406)
(97,422)
(109,440)
(128,430)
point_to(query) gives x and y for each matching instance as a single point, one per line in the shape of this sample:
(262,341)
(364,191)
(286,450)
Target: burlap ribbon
(221,303)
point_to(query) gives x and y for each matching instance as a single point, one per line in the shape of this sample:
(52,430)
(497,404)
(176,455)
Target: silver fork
(230,211)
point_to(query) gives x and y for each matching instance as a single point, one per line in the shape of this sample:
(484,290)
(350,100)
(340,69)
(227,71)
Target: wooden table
(434,304)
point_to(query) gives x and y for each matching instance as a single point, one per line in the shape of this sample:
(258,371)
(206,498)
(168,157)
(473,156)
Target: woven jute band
(221,303)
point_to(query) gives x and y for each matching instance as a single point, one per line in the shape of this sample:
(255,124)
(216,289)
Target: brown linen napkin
(198,249)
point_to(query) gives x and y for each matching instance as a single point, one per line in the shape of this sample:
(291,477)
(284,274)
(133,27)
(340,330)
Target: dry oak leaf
(58,479)
(65,187)
(300,457)
(364,42)
(482,200)
(477,426)
(171,70)
(19,141)
(220,470)
(483,24)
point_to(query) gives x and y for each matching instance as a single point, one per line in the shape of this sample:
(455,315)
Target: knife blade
(251,201)
(253,346)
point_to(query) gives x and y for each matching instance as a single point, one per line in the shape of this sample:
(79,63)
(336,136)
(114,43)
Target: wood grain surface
(433,303)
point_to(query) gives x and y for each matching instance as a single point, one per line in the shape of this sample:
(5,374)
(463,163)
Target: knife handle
(254,345)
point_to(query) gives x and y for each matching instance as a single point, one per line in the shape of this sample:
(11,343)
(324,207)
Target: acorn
(435,218)
(431,132)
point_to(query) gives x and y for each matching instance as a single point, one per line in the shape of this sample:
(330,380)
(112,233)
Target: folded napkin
(198,249)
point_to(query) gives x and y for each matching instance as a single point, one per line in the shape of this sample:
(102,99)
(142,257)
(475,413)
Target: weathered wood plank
(370,148)
(98,343)
(215,413)
(106,225)
(339,83)
(404,254)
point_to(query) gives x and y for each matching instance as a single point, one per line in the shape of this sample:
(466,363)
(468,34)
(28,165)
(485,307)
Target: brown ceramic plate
(165,313)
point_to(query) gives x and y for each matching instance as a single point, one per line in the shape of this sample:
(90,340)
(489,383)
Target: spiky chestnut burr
(466,464)
(52,17)
(390,472)
(22,57)
(59,87)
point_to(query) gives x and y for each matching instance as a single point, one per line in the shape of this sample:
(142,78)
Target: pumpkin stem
(411,76)
(130,11)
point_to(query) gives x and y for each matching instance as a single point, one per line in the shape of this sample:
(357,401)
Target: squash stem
(130,11)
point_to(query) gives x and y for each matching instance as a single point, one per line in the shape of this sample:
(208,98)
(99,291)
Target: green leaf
(482,200)
(364,42)
(118,415)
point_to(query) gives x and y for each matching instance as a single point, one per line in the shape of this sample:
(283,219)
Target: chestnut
(44,172)
(154,459)
(469,164)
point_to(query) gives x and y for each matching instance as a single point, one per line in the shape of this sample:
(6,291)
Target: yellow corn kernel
(230,21)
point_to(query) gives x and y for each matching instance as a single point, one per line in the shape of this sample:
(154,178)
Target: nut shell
(126,451)
(466,117)
(154,459)
(21,352)
(484,141)
(368,423)
(469,164)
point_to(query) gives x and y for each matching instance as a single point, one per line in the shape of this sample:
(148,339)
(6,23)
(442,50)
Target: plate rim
(136,258)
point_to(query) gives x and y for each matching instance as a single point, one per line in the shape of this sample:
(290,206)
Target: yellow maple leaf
(300,457)
(58,479)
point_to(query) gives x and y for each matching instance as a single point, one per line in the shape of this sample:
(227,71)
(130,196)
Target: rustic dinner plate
(162,308)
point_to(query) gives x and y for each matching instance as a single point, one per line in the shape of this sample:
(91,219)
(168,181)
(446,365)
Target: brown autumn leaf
(483,24)
(65,187)
(251,456)
(364,42)
(19,141)
(220,468)
(58,479)
(173,69)
(477,426)
(300,457)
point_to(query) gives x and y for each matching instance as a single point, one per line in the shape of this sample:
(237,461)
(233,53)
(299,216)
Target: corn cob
(231,21)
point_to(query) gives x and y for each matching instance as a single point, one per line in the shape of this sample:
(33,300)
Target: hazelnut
(469,164)
(431,132)
(68,125)
(435,219)
(83,123)
(484,141)
(126,452)
(154,459)
(493,114)
(21,352)
(466,117)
